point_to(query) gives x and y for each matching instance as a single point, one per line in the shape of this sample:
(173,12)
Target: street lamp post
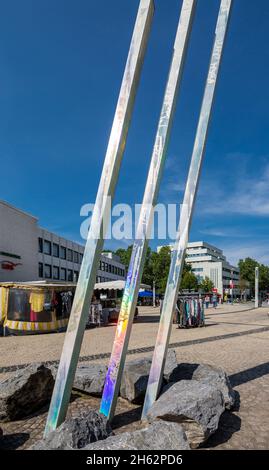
(256,287)
(154,295)
(232,285)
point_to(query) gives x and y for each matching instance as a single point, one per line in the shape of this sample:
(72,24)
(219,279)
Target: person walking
(207,301)
(215,300)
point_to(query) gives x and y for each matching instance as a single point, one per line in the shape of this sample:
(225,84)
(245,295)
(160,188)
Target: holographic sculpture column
(178,252)
(117,360)
(86,281)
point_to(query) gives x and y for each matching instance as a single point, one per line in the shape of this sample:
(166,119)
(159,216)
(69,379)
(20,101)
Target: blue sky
(61,64)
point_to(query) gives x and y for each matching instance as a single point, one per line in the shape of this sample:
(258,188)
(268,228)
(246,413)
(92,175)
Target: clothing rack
(190,312)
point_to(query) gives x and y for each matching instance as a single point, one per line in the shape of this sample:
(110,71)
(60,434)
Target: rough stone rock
(91,378)
(136,374)
(135,379)
(170,365)
(76,433)
(182,372)
(158,436)
(25,392)
(219,379)
(205,373)
(197,406)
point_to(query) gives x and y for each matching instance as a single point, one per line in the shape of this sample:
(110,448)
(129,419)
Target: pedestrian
(215,300)
(207,301)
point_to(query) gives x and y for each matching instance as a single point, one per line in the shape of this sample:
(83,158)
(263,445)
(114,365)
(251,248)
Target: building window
(56,272)
(40,245)
(106,267)
(75,257)
(62,252)
(112,269)
(80,257)
(76,276)
(109,268)
(55,250)
(102,266)
(63,274)
(69,255)
(47,271)
(47,247)
(40,269)
(70,275)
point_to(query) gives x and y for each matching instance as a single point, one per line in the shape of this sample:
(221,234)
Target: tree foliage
(207,285)
(247,273)
(157,267)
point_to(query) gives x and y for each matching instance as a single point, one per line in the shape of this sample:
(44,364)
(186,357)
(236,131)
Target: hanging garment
(190,313)
(37,300)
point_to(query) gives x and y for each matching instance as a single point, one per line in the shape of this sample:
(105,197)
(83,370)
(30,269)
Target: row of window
(230,271)
(58,274)
(58,251)
(110,268)
(102,279)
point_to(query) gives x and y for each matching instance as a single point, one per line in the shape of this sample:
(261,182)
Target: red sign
(9,265)
(215,290)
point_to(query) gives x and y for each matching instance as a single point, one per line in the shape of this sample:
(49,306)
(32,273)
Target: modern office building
(29,252)
(208,261)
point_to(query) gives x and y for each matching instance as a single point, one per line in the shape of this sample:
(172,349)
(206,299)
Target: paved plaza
(235,338)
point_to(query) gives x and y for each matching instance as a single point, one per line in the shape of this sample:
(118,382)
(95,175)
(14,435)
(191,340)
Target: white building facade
(29,252)
(209,261)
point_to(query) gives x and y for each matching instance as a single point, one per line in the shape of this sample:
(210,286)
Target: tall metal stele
(129,300)
(86,281)
(179,249)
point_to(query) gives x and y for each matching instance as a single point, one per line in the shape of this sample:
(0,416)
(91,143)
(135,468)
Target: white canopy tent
(116,285)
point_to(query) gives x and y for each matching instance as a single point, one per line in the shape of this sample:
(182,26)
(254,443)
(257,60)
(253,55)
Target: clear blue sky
(61,64)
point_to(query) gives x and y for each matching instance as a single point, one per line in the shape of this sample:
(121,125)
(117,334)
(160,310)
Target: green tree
(160,267)
(247,273)
(148,275)
(189,281)
(125,255)
(207,285)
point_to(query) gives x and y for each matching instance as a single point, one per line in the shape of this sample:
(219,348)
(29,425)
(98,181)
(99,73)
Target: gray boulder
(136,374)
(182,372)
(170,365)
(135,379)
(158,436)
(217,378)
(76,433)
(91,378)
(25,392)
(197,406)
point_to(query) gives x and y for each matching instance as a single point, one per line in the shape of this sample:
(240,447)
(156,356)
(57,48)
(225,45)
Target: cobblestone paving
(236,341)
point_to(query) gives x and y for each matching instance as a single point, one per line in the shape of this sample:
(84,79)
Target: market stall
(34,307)
(110,296)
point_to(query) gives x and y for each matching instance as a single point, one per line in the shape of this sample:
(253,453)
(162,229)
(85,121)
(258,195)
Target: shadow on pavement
(229,424)
(249,374)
